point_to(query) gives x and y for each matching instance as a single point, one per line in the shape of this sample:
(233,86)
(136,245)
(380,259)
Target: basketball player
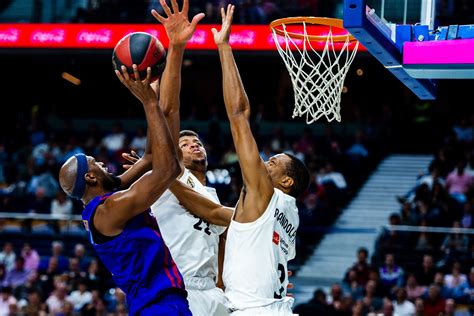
(121,228)
(262,231)
(193,242)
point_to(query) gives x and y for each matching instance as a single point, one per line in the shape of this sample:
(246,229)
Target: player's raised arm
(123,205)
(201,206)
(179,30)
(256,178)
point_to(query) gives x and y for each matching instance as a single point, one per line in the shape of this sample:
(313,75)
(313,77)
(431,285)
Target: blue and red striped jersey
(138,259)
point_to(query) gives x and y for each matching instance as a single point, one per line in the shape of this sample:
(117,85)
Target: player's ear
(287,182)
(90,178)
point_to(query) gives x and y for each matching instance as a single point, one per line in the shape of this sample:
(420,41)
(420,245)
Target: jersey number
(281,269)
(198,225)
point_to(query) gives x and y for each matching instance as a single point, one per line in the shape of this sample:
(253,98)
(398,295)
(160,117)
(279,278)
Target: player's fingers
(214,31)
(290,286)
(119,76)
(175,7)
(185,7)
(148,76)
(222,14)
(290,273)
(126,167)
(198,17)
(166,8)
(230,15)
(157,16)
(125,73)
(136,74)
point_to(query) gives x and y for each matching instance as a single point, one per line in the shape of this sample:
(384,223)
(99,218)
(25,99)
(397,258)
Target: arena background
(385,132)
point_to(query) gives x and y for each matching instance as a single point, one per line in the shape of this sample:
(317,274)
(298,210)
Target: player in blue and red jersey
(121,229)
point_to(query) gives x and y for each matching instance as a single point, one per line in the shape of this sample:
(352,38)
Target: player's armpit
(201,206)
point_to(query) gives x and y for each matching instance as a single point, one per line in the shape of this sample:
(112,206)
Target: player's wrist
(224,45)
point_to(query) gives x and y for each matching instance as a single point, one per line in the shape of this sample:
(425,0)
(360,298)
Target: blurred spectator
(316,306)
(295,152)
(116,301)
(139,142)
(464,293)
(57,252)
(6,299)
(3,273)
(34,305)
(18,275)
(57,299)
(115,140)
(414,290)
(455,245)
(8,256)
(372,303)
(80,297)
(75,274)
(93,275)
(45,180)
(419,307)
(32,259)
(402,306)
(266,152)
(434,304)
(456,278)
(391,275)
(40,203)
(464,132)
(361,267)
(425,274)
(80,255)
(328,175)
(61,205)
(458,182)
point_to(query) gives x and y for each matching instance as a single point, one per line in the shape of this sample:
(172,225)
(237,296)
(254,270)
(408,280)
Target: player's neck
(200,175)
(91,193)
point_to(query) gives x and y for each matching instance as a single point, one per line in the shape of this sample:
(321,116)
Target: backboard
(404,37)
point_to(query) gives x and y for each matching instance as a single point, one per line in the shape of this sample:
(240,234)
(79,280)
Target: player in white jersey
(262,230)
(193,242)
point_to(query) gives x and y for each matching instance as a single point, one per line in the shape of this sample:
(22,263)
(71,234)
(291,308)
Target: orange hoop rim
(331,22)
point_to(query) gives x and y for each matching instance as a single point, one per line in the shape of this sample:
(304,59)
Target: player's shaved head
(68,174)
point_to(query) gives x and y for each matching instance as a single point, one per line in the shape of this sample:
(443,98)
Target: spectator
(361,267)
(444,291)
(336,295)
(57,299)
(117,301)
(8,256)
(455,245)
(372,303)
(32,259)
(464,293)
(419,307)
(18,275)
(138,143)
(328,175)
(6,299)
(316,306)
(391,275)
(115,140)
(464,132)
(434,304)
(34,306)
(57,250)
(456,278)
(40,204)
(80,255)
(61,205)
(425,275)
(458,182)
(75,274)
(3,273)
(402,306)
(414,290)
(81,296)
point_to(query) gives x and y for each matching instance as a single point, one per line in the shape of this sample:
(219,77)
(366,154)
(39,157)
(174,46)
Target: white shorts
(209,302)
(280,308)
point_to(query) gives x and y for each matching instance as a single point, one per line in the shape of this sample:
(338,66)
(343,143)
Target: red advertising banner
(105,36)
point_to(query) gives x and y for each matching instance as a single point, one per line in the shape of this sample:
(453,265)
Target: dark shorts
(169,305)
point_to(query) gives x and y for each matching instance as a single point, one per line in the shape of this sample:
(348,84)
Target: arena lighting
(68,77)
(105,36)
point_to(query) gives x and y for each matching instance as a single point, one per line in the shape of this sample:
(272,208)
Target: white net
(317,77)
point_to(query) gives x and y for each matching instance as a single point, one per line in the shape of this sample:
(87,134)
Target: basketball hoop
(318,77)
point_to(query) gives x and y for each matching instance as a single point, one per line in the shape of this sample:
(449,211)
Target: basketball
(142,49)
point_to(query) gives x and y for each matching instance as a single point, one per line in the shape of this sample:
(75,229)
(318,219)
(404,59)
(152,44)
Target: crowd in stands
(418,272)
(48,280)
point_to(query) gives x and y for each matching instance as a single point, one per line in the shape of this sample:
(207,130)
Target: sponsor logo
(276,238)
(190,182)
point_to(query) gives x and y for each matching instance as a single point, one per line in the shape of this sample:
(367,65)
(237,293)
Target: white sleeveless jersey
(193,242)
(256,255)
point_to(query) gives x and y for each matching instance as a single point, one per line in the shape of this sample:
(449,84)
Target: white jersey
(256,255)
(193,242)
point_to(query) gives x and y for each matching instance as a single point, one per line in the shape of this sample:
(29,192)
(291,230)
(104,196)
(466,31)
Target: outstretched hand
(131,157)
(222,37)
(176,23)
(139,88)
